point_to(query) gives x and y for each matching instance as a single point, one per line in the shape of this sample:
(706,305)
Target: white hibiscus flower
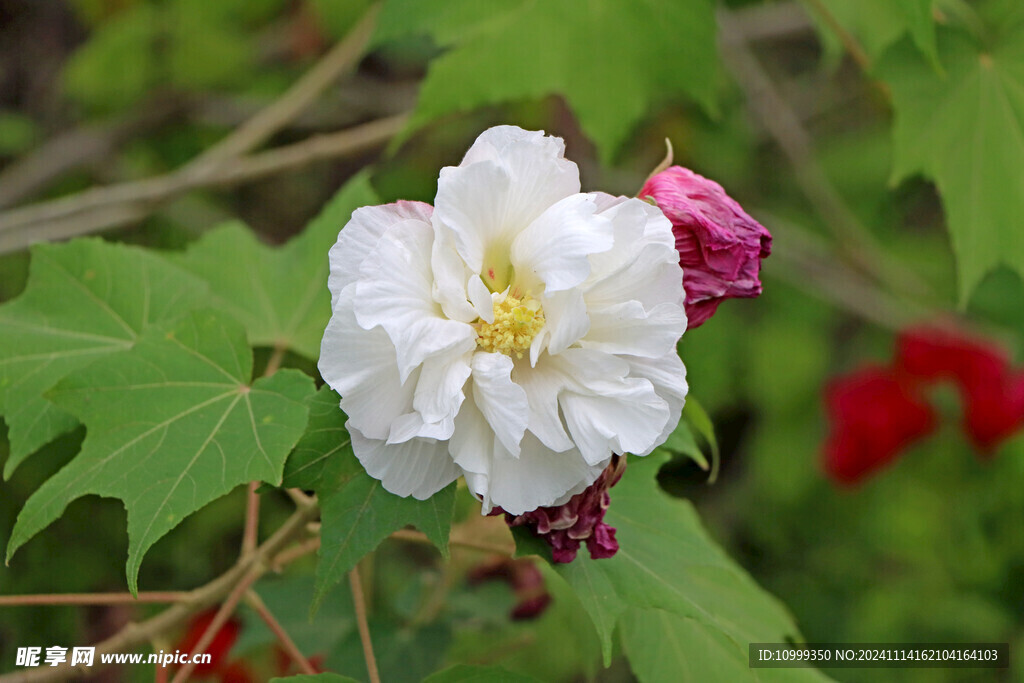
(518,333)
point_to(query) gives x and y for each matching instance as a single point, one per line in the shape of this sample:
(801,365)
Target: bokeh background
(928,548)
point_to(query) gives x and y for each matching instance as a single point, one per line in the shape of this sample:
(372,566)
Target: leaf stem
(254,601)
(849,41)
(94,598)
(359,601)
(252,519)
(419,537)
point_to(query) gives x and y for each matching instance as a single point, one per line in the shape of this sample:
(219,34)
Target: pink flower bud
(580,520)
(720,246)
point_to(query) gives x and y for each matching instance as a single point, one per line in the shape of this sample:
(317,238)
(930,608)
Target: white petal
(554,247)
(628,329)
(506,180)
(502,402)
(360,236)
(542,385)
(439,392)
(360,365)
(566,320)
(394,291)
(538,477)
(450,275)
(418,468)
(483,304)
(605,410)
(472,444)
(668,375)
(643,265)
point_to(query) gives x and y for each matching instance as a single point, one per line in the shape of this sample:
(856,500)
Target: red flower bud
(720,246)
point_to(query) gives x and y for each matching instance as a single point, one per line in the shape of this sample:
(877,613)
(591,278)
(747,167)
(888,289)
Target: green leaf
(660,647)
(84,300)
(463,673)
(279,294)
(698,418)
(17,132)
(965,130)
(172,424)
(183,43)
(356,512)
(877,24)
(613,62)
(681,441)
(666,561)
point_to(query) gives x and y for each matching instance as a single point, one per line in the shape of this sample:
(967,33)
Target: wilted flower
(720,246)
(518,333)
(579,520)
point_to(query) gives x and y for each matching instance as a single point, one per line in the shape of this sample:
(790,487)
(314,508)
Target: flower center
(516,322)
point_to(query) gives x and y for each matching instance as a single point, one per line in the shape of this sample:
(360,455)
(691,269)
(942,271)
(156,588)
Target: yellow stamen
(516,322)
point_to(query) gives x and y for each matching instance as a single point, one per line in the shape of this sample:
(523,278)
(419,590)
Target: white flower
(518,333)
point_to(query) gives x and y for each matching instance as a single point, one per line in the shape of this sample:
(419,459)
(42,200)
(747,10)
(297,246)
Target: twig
(418,537)
(288,556)
(198,600)
(852,45)
(219,619)
(359,601)
(783,125)
(78,147)
(117,205)
(263,125)
(252,519)
(254,601)
(94,598)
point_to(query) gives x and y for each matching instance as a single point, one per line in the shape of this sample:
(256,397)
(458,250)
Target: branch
(197,600)
(263,125)
(117,205)
(419,537)
(359,601)
(275,627)
(852,45)
(94,598)
(784,126)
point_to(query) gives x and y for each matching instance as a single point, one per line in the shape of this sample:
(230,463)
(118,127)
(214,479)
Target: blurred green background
(929,549)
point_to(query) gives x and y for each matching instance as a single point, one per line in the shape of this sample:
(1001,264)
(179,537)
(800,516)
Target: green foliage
(356,512)
(667,564)
(878,24)
(17,133)
(185,44)
(279,294)
(612,61)
(173,423)
(964,130)
(83,301)
(462,673)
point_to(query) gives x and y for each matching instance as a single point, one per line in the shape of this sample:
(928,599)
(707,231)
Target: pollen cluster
(516,323)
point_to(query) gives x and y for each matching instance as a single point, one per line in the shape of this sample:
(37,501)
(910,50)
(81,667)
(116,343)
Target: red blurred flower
(874,417)
(524,578)
(991,392)
(218,649)
(720,246)
(876,412)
